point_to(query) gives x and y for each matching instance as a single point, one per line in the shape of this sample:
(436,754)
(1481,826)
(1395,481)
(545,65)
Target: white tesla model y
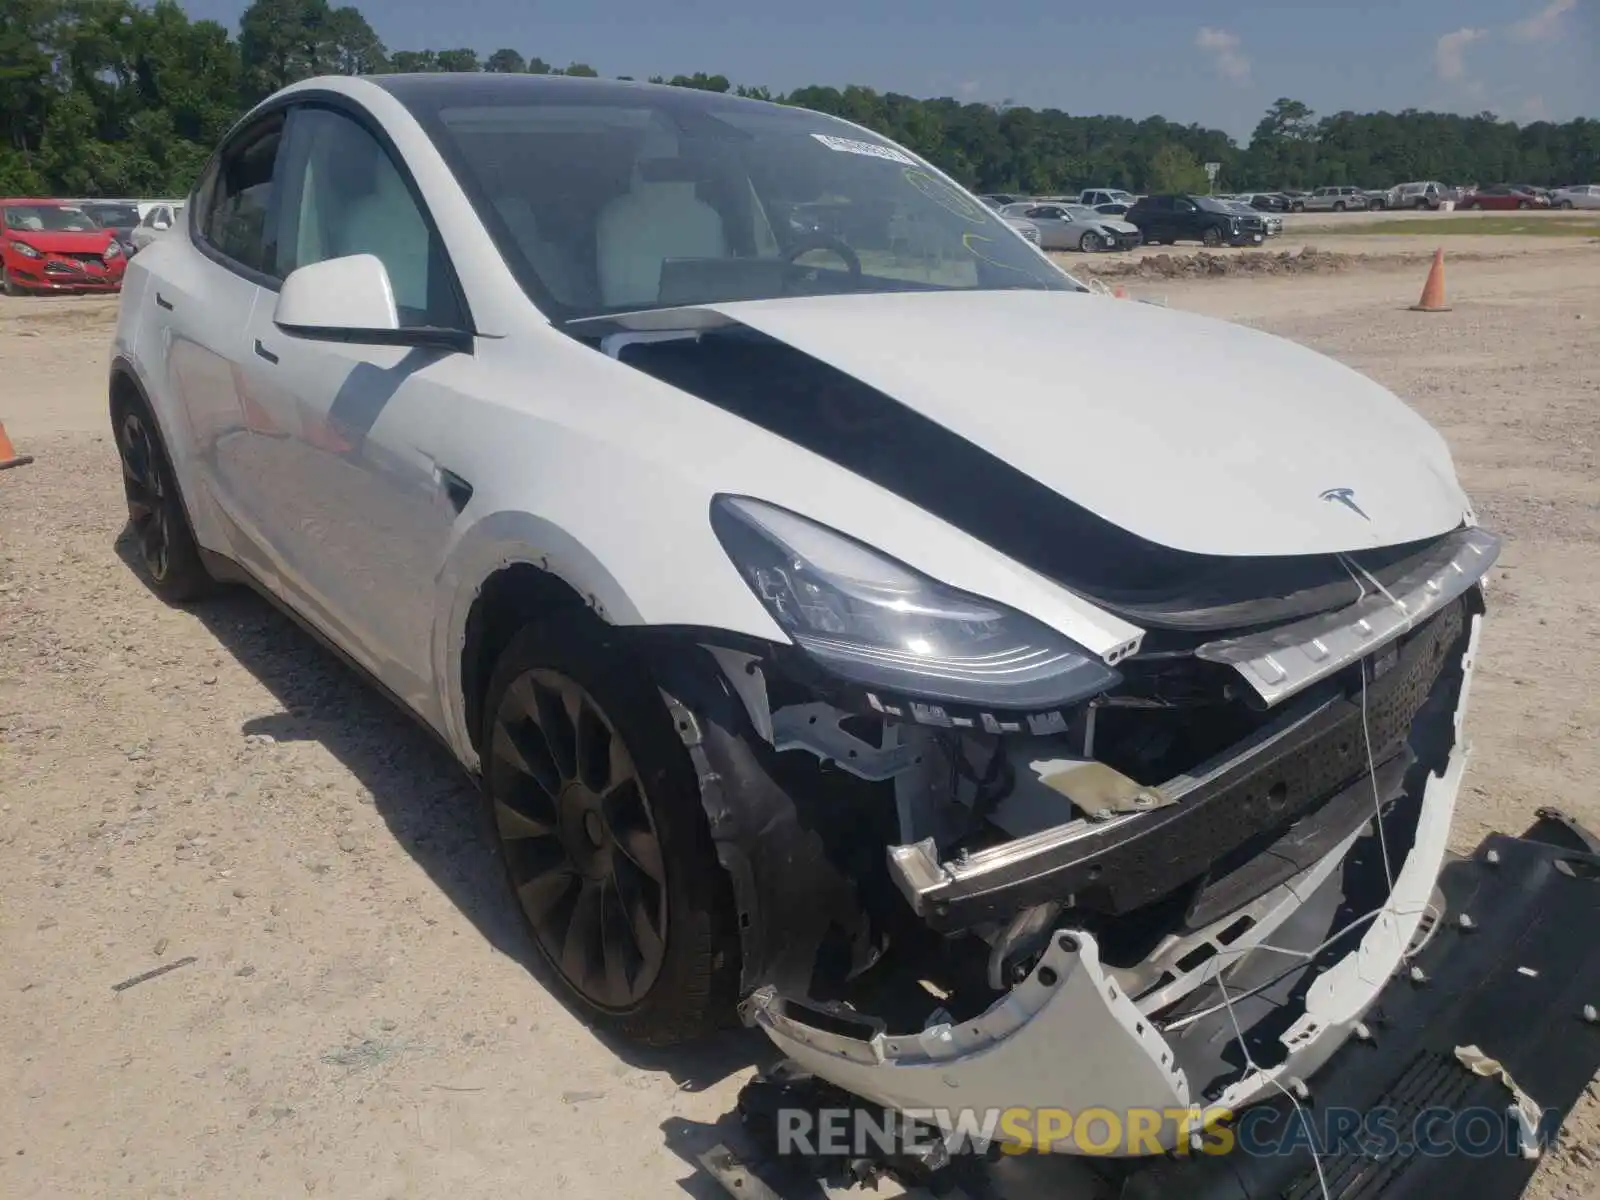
(828,591)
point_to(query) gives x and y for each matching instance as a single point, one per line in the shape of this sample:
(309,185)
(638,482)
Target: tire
(1091,243)
(1297,206)
(1422,204)
(1211,237)
(156,514)
(9,285)
(1338,206)
(1521,204)
(1564,204)
(611,863)
(1378,205)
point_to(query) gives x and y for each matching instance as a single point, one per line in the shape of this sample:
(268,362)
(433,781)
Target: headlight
(869,619)
(114,250)
(25,250)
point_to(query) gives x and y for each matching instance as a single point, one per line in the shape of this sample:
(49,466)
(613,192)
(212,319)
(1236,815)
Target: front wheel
(167,546)
(1564,204)
(1523,204)
(1297,207)
(1091,243)
(1211,237)
(596,809)
(8,284)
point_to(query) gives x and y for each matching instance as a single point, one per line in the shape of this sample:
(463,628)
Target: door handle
(456,488)
(263,352)
(163,302)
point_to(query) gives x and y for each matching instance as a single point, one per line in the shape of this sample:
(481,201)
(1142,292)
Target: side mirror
(350,299)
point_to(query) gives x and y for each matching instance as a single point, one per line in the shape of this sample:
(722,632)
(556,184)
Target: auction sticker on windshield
(870,149)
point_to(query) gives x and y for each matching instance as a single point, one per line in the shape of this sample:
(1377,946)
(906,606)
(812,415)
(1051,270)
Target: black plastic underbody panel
(1515,985)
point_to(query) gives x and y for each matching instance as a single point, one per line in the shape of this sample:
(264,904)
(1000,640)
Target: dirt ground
(354,1017)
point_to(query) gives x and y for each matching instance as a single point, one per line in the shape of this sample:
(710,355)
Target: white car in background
(1335,199)
(1579,195)
(1067,226)
(158,218)
(1272,222)
(820,616)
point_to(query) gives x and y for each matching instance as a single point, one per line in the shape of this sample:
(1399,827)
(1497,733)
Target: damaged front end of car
(1186,886)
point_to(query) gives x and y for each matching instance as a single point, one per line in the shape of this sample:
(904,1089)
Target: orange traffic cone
(1433,291)
(8,453)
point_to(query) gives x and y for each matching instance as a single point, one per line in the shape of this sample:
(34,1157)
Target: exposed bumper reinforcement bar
(1291,769)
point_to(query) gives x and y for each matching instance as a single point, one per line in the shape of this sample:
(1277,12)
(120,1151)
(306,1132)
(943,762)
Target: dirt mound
(1309,260)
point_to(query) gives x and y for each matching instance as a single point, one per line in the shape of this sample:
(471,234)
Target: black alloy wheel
(1212,236)
(156,517)
(148,514)
(579,834)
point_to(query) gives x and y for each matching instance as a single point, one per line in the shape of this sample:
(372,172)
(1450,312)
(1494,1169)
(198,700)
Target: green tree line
(113,97)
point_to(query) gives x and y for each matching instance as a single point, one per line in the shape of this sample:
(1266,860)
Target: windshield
(1216,206)
(611,200)
(48,218)
(113,216)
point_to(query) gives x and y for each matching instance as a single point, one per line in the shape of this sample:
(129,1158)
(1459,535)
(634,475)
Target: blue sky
(1214,63)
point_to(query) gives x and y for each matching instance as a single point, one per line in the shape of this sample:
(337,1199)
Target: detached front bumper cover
(1068,1037)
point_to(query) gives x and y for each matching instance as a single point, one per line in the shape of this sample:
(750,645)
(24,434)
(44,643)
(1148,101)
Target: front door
(202,303)
(361,513)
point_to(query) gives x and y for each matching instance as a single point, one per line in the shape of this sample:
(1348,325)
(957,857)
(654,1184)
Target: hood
(46,242)
(1193,433)
(1116,225)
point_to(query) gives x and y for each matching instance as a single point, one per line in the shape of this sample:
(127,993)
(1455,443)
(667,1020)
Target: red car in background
(1505,196)
(47,246)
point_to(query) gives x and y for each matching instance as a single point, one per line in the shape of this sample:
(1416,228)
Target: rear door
(360,512)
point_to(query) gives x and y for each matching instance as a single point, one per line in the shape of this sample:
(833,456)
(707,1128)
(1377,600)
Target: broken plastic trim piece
(1068,1010)
(1283,661)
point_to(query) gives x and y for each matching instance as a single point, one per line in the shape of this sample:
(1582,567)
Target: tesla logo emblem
(1346,497)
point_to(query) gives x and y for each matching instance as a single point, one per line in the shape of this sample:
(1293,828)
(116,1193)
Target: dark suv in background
(1186,218)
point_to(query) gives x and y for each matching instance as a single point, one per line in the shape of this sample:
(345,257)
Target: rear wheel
(1338,206)
(1524,204)
(596,810)
(156,516)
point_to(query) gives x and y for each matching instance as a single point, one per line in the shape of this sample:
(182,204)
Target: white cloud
(1450,53)
(1223,49)
(1544,25)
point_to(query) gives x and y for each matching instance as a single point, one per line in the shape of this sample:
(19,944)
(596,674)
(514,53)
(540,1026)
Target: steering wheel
(824,241)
